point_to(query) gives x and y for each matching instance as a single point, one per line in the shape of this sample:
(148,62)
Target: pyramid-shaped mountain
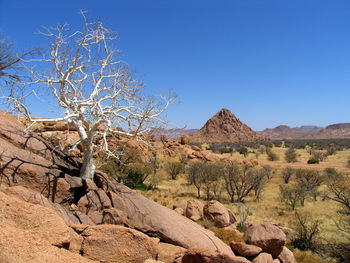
(225,127)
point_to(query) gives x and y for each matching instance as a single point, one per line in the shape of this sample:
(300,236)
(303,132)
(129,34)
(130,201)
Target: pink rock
(198,255)
(245,249)
(263,258)
(267,236)
(194,210)
(286,256)
(219,214)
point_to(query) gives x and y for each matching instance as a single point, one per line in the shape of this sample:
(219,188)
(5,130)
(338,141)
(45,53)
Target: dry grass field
(338,161)
(269,207)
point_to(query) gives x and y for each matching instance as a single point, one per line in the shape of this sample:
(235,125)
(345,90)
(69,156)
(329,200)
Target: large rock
(153,261)
(194,210)
(54,126)
(33,233)
(114,216)
(180,208)
(286,256)
(117,244)
(62,192)
(17,245)
(84,219)
(169,253)
(164,223)
(180,211)
(267,236)
(197,255)
(219,214)
(30,160)
(94,200)
(32,197)
(245,249)
(263,258)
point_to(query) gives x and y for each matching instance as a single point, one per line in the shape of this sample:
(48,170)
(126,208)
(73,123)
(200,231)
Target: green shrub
(318,155)
(271,155)
(137,174)
(313,161)
(331,151)
(243,150)
(291,155)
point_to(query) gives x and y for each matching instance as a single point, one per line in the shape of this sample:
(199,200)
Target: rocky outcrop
(286,256)
(33,197)
(198,255)
(218,214)
(111,243)
(225,127)
(49,214)
(33,233)
(159,221)
(170,253)
(263,258)
(245,250)
(194,210)
(267,236)
(30,160)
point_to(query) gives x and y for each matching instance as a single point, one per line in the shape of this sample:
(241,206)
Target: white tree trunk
(87,170)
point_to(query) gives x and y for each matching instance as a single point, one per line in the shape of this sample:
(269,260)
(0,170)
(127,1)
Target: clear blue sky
(270,62)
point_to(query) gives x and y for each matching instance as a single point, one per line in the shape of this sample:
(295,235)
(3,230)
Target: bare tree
(174,169)
(86,78)
(10,62)
(267,170)
(287,174)
(230,171)
(241,179)
(259,183)
(292,194)
(306,232)
(338,187)
(12,72)
(211,179)
(195,176)
(309,180)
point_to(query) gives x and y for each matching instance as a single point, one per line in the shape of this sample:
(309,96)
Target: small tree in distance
(174,169)
(292,195)
(84,75)
(287,174)
(291,156)
(244,151)
(271,155)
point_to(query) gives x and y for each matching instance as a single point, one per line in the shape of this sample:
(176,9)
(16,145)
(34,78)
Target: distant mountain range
(172,133)
(286,132)
(339,130)
(226,127)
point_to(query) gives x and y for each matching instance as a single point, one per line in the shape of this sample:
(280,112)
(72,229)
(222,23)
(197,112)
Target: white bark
(93,87)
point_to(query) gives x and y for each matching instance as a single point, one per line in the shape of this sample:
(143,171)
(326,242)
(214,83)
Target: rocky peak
(225,127)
